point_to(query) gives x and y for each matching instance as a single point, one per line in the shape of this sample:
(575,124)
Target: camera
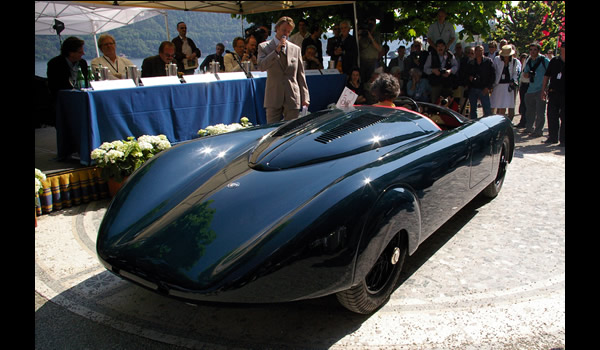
(511,86)
(531,76)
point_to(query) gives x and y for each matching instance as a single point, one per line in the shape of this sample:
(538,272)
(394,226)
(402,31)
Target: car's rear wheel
(494,188)
(377,286)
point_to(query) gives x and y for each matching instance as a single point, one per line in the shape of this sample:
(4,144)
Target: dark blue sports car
(327,203)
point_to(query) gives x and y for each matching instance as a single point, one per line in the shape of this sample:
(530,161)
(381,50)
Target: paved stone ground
(491,278)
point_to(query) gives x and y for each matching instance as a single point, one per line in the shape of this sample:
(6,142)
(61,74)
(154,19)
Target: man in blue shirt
(534,69)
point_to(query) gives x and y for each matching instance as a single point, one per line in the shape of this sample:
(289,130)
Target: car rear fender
(395,211)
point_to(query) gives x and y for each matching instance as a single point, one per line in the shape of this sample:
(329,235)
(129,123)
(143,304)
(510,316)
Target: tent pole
(96,45)
(356,34)
(167,24)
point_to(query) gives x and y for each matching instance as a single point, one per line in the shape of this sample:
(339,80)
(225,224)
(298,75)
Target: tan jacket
(286,85)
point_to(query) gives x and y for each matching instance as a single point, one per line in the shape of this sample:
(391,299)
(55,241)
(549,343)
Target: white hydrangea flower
(145,145)
(163,144)
(113,155)
(98,153)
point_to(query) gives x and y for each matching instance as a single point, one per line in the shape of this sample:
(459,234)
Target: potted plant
(222,128)
(119,159)
(39,189)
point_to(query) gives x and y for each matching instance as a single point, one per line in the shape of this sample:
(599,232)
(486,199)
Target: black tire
(377,286)
(492,190)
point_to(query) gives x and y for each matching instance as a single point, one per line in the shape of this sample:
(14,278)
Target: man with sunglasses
(154,66)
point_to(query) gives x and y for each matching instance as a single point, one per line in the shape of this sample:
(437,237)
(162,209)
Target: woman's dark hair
(385,87)
(71,44)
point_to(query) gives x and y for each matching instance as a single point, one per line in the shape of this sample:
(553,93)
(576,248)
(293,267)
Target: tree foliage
(519,24)
(411,18)
(541,21)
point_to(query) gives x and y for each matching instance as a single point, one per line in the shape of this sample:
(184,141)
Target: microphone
(238,62)
(283,46)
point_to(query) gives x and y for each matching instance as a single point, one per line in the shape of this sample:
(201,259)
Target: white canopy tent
(81,19)
(92,17)
(233,7)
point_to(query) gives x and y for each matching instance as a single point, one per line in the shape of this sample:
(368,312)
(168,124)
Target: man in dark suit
(286,90)
(62,70)
(154,66)
(217,57)
(186,52)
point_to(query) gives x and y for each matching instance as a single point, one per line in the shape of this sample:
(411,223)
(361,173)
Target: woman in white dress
(507,74)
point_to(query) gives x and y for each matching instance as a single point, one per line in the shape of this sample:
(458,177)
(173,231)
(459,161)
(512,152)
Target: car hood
(328,135)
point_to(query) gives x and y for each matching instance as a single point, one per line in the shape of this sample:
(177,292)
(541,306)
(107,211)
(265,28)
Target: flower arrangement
(222,128)
(119,159)
(39,176)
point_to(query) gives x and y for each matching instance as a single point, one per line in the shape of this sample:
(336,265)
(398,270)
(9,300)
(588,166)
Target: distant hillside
(143,38)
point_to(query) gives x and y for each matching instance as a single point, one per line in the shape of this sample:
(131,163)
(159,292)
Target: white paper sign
(312,72)
(330,71)
(112,84)
(259,74)
(347,99)
(156,81)
(231,76)
(199,78)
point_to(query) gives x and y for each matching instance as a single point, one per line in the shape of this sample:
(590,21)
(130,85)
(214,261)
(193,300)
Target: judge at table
(286,90)
(117,65)
(154,66)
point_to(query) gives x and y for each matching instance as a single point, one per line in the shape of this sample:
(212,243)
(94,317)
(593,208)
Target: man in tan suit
(286,90)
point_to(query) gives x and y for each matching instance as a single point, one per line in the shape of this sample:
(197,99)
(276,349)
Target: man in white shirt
(117,65)
(186,52)
(302,33)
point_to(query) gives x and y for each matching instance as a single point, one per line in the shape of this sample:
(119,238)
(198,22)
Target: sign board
(112,84)
(199,78)
(157,81)
(231,76)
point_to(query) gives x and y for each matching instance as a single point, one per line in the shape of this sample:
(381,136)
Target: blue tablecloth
(86,119)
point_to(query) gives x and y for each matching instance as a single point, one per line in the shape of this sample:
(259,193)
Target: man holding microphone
(286,91)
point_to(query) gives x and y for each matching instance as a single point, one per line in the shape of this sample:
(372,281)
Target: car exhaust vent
(295,124)
(350,126)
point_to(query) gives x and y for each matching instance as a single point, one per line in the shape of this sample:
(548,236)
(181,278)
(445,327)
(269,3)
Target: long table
(86,119)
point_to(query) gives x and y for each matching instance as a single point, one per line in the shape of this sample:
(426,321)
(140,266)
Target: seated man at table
(154,66)
(233,60)
(116,65)
(217,57)
(62,69)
